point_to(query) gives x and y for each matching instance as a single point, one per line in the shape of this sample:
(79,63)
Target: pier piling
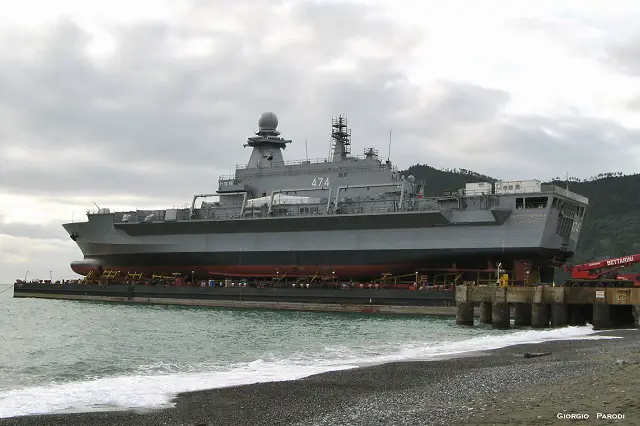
(464,306)
(522,314)
(500,315)
(541,306)
(559,315)
(485,312)
(464,313)
(540,315)
(579,314)
(601,316)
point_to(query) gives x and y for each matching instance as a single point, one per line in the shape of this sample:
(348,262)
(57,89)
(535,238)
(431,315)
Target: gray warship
(348,215)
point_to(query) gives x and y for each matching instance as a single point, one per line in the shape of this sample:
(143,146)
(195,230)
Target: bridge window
(307,210)
(536,202)
(554,204)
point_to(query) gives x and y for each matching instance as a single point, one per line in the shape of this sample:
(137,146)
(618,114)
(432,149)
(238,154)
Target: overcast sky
(144,103)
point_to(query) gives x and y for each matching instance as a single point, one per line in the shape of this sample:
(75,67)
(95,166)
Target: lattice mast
(340,138)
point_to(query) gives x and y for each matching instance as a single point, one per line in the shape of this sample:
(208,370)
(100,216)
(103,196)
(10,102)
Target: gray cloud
(573,141)
(634,104)
(189,116)
(149,126)
(150,123)
(615,42)
(624,56)
(51,231)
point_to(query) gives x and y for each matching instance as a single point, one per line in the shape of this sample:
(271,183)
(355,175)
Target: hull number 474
(320,181)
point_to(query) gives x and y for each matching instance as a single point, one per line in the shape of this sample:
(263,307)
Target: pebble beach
(579,377)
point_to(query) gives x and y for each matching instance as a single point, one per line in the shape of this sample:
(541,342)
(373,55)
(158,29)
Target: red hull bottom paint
(203,272)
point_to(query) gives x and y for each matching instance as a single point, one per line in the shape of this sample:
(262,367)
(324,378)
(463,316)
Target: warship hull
(342,263)
(371,246)
(348,216)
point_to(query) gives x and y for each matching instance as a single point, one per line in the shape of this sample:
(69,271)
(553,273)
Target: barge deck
(365,300)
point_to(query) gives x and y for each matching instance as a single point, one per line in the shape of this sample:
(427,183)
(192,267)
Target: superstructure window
(536,202)
(580,211)
(307,210)
(554,204)
(519,203)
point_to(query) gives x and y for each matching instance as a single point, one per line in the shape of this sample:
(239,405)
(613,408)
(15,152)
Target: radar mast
(267,144)
(340,138)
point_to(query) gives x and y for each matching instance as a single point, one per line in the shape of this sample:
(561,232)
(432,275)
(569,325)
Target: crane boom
(604,270)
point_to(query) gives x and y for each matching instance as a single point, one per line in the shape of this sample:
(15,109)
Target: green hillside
(612,224)
(439,181)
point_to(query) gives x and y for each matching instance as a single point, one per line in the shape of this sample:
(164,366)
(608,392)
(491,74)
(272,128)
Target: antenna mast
(341,138)
(306,149)
(389,154)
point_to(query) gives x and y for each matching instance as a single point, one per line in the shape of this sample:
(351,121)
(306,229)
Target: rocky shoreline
(498,387)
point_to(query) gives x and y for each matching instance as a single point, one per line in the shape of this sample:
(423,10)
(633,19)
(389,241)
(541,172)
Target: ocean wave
(154,385)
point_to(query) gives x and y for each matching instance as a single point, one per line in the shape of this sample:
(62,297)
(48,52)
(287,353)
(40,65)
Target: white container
(519,187)
(478,188)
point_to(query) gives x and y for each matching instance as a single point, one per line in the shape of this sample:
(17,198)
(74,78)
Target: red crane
(605,273)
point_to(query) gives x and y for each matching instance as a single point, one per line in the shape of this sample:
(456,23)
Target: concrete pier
(542,306)
(464,313)
(579,314)
(486,312)
(540,315)
(522,314)
(621,315)
(559,315)
(500,315)
(601,316)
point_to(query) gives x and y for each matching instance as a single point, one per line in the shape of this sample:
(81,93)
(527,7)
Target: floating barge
(432,301)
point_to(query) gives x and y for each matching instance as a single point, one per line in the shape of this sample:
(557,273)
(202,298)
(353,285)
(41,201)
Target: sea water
(59,355)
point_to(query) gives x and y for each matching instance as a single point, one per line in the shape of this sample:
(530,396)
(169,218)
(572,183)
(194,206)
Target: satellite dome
(268,121)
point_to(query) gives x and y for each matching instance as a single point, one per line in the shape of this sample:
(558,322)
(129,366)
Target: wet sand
(498,387)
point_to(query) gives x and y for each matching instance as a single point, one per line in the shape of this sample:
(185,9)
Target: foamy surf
(153,391)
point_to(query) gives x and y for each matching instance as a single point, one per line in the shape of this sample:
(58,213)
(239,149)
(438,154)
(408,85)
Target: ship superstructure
(347,216)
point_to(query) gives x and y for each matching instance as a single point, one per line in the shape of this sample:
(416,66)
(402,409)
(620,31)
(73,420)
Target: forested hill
(612,225)
(444,180)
